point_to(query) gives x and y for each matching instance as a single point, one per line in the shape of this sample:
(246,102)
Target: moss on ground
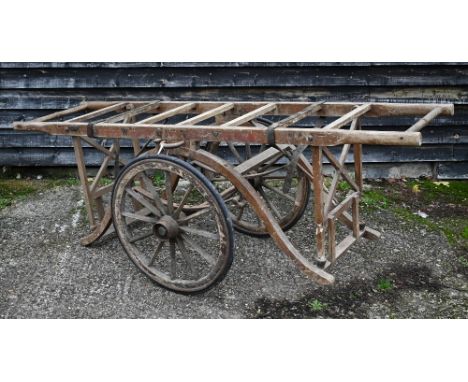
(445,202)
(454,192)
(12,190)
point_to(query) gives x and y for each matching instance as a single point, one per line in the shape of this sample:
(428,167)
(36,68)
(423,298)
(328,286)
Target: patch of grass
(374,199)
(159,179)
(385,285)
(464,233)
(105,181)
(316,305)
(344,186)
(51,183)
(14,189)
(19,189)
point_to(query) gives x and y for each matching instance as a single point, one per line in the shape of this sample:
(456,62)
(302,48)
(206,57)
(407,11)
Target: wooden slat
(97,193)
(207,115)
(341,207)
(251,115)
(132,113)
(347,118)
(99,147)
(339,167)
(257,160)
(294,118)
(167,114)
(424,121)
(62,113)
(98,113)
(102,169)
(342,247)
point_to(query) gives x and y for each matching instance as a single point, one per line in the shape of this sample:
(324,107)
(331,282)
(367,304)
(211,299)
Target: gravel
(45,273)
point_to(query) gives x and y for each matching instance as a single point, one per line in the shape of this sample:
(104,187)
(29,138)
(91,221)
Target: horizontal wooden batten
(373,155)
(203,75)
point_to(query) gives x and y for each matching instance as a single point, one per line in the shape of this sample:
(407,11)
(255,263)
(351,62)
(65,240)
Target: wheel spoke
(154,192)
(248,151)
(169,196)
(185,255)
(140,217)
(269,204)
(186,219)
(141,236)
(228,192)
(265,173)
(234,151)
(182,202)
(208,258)
(172,251)
(241,212)
(280,193)
(199,232)
(156,253)
(140,199)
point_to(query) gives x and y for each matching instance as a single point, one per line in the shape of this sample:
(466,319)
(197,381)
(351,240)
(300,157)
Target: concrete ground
(411,272)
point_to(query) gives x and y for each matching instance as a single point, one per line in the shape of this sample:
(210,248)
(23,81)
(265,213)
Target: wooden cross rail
(345,119)
(424,121)
(97,113)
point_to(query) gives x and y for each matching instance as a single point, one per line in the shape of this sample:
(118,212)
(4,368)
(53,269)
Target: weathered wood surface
(29,90)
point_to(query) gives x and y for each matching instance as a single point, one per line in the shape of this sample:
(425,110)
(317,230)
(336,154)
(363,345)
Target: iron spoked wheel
(172,223)
(282,185)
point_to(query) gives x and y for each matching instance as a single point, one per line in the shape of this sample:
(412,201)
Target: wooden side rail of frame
(327,109)
(283,135)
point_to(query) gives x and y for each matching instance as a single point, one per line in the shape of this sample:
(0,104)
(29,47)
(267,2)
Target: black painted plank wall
(28,90)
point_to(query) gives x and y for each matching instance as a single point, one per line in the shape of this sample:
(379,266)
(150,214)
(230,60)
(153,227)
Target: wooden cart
(175,204)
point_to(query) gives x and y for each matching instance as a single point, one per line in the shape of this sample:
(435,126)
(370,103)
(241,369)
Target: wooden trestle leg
(318,203)
(99,215)
(328,210)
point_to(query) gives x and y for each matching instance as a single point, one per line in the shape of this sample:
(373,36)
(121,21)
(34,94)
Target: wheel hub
(166,228)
